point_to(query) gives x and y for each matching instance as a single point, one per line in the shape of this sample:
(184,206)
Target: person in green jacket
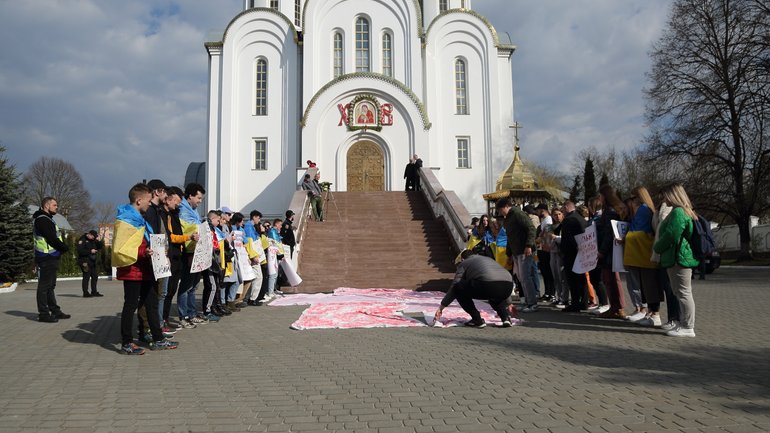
(676,255)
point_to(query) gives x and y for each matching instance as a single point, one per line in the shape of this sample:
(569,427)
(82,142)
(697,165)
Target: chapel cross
(516,126)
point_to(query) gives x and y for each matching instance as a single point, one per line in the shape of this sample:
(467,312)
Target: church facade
(358,87)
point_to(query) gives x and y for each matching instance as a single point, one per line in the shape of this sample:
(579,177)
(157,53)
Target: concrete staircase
(378,240)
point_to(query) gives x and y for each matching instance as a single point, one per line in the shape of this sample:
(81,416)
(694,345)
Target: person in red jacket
(138,278)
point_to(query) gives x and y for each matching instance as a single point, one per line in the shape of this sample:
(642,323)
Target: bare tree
(708,106)
(58,178)
(104,212)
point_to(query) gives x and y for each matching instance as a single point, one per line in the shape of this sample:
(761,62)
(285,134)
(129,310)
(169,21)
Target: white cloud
(120,88)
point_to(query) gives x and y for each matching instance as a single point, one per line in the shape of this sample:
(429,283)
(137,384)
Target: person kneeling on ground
(479,277)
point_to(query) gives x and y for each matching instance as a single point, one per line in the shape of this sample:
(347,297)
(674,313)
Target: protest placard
(161,266)
(203,250)
(619,228)
(588,251)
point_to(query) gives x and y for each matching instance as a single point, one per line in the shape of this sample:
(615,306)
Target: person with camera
(88,246)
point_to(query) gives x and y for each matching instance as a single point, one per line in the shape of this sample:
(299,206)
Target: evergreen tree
(16,248)
(589,180)
(574,192)
(604,180)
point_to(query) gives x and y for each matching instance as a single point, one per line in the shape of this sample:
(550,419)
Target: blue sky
(119,88)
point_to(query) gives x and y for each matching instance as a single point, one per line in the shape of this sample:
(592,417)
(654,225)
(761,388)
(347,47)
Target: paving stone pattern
(560,373)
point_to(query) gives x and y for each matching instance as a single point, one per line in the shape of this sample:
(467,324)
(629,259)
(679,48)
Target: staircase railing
(446,206)
(300,205)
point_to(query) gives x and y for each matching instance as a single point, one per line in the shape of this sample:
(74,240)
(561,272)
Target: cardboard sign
(588,251)
(204,249)
(161,266)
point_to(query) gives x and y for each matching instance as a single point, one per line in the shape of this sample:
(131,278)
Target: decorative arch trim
(252,11)
(417,8)
(369,75)
(492,31)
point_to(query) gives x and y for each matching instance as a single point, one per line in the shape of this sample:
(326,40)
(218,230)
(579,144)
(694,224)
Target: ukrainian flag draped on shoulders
(190,221)
(130,230)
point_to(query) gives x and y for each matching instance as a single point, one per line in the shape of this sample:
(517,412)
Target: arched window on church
(260,88)
(443,5)
(297,15)
(461,87)
(338,55)
(362,45)
(274,4)
(387,54)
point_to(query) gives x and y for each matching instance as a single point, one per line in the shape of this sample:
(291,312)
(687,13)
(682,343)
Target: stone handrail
(300,205)
(447,206)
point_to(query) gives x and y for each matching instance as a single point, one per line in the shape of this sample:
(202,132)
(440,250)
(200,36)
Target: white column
(213,148)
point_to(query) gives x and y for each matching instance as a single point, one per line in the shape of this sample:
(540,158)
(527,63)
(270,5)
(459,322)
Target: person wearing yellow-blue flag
(131,254)
(190,220)
(49,245)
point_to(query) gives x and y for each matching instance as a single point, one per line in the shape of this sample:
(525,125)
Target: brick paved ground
(560,373)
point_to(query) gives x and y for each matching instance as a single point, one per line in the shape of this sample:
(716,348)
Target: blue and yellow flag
(130,229)
(190,220)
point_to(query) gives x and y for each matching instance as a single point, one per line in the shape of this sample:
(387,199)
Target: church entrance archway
(365,167)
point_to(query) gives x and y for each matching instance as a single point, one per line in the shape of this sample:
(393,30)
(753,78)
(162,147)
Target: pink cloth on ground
(350,308)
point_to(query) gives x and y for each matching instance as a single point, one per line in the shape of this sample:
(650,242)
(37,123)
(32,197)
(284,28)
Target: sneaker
(188,324)
(600,309)
(592,307)
(145,338)
(172,325)
(529,309)
(572,309)
(609,314)
(47,318)
(61,315)
(163,345)
(545,298)
(211,317)
(131,349)
(671,324)
(96,295)
(199,320)
(560,305)
(86,295)
(169,330)
(636,316)
(278,293)
(506,323)
(649,321)
(476,324)
(680,331)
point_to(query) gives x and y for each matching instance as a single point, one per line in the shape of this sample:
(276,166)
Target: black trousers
(136,293)
(89,274)
(578,289)
(496,292)
(263,286)
(212,287)
(46,283)
(595,275)
(544,263)
(173,285)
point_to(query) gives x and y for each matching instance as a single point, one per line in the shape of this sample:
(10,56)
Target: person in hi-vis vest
(49,246)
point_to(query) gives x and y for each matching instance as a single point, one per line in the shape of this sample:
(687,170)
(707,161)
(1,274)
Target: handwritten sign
(203,250)
(588,251)
(161,266)
(619,228)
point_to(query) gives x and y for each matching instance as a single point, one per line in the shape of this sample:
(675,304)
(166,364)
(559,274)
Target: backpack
(702,239)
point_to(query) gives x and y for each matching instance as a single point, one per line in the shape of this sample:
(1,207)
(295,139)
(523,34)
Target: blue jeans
(163,285)
(232,292)
(271,280)
(185,299)
(526,269)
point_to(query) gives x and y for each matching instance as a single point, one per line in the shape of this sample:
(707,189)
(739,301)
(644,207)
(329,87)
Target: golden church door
(366,167)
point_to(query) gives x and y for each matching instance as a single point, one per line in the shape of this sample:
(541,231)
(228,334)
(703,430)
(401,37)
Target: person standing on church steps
(88,245)
(314,193)
(49,246)
(410,173)
(417,168)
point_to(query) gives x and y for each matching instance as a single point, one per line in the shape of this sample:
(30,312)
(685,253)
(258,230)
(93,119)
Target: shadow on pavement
(740,375)
(28,314)
(103,331)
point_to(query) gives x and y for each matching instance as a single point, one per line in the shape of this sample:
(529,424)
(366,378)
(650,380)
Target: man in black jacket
(88,245)
(287,232)
(49,246)
(573,225)
(521,243)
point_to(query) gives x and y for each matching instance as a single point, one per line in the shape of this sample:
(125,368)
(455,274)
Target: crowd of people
(657,257)
(243,270)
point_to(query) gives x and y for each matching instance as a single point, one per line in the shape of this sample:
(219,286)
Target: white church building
(357,87)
